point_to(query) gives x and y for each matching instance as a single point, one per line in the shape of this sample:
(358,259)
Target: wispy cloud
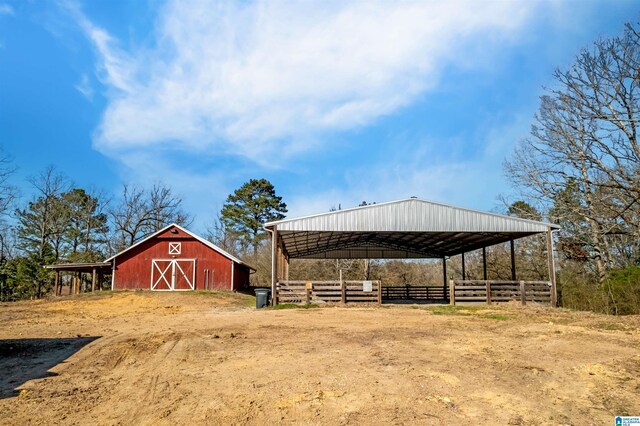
(84,87)
(475,181)
(247,78)
(219,79)
(6,9)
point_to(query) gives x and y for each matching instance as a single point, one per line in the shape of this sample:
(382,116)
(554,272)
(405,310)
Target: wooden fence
(481,291)
(328,291)
(413,292)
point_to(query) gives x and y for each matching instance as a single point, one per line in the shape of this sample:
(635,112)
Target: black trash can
(262,297)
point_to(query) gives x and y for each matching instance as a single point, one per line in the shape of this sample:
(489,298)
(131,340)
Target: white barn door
(173,274)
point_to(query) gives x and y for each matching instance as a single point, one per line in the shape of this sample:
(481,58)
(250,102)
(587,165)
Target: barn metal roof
(186,231)
(409,228)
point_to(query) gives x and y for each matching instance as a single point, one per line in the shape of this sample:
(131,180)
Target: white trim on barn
(175,248)
(191,234)
(173,264)
(232,271)
(113,275)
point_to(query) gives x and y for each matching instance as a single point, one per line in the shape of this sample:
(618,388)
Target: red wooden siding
(133,267)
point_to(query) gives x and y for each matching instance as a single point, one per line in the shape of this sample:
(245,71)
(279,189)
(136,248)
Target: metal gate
(173,274)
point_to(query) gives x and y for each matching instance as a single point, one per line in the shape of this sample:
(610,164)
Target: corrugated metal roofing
(410,228)
(410,215)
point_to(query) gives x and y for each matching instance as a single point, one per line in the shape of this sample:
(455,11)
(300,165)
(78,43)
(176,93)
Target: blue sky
(334,102)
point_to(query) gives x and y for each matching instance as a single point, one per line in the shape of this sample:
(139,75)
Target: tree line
(581,167)
(64,223)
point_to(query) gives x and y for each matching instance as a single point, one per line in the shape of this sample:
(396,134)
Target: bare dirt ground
(160,358)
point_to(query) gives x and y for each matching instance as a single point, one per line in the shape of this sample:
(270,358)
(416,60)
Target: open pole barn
(175,259)
(405,229)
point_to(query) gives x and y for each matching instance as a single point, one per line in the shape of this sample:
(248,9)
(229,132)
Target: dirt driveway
(158,358)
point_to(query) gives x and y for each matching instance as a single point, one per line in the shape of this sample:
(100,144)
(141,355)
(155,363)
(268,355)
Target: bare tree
(165,207)
(583,158)
(141,212)
(8,192)
(8,195)
(220,235)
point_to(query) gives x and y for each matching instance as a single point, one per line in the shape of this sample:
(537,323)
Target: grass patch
(499,317)
(293,306)
(608,326)
(450,310)
(240,298)
(455,310)
(467,311)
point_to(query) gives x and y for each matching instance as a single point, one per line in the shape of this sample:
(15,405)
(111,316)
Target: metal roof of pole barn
(410,228)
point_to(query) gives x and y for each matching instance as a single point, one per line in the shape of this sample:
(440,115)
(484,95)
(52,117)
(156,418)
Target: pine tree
(248,208)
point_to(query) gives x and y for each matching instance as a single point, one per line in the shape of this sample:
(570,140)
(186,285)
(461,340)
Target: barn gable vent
(175,248)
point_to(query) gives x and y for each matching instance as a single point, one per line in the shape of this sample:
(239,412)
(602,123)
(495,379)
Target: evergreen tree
(248,208)
(85,226)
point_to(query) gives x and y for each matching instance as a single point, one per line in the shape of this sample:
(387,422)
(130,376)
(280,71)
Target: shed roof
(409,228)
(80,267)
(197,237)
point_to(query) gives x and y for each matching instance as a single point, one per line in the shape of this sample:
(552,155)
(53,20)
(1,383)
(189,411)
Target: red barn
(176,259)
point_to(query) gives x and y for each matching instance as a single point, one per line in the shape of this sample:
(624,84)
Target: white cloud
(218,79)
(249,78)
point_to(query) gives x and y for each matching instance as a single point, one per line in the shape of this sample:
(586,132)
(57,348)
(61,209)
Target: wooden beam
(274,265)
(484,263)
(452,293)
(94,277)
(513,261)
(552,268)
(57,287)
(279,254)
(286,269)
(444,276)
(343,289)
(464,275)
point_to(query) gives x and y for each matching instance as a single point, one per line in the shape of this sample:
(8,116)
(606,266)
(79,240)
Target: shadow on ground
(22,360)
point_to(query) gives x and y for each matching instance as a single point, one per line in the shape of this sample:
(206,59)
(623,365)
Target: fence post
(452,293)
(379,292)
(488,286)
(308,288)
(523,294)
(343,289)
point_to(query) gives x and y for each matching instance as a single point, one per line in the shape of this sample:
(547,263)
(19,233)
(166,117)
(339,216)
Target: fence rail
(327,291)
(414,292)
(481,291)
